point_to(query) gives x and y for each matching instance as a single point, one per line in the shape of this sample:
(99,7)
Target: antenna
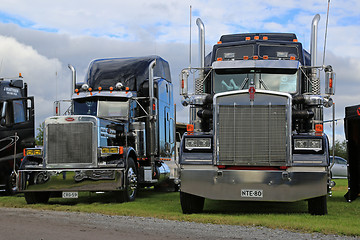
(190,38)
(327,21)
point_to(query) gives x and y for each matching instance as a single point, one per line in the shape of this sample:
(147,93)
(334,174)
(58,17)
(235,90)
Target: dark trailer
(352,132)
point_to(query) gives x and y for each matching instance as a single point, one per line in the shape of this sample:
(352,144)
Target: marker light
(190,129)
(265,38)
(246,57)
(256,38)
(265,57)
(219,42)
(255,57)
(247,38)
(219,59)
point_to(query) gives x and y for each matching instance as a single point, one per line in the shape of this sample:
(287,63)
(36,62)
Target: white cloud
(38,71)
(88,29)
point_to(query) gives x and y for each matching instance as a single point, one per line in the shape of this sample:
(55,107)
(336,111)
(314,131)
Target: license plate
(70,194)
(252,193)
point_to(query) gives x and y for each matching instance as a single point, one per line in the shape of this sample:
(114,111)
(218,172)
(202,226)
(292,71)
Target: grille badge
(69,119)
(252,93)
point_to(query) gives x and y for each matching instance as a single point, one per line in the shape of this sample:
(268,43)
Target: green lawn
(343,217)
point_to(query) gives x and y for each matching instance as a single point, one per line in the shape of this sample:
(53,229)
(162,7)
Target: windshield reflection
(281,80)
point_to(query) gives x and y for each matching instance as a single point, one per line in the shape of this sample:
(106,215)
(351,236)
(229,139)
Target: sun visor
(256,64)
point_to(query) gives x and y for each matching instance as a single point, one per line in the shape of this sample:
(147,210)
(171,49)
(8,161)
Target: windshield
(101,108)
(281,80)
(85,108)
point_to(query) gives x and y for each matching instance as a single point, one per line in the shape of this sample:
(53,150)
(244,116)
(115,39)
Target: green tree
(39,139)
(340,149)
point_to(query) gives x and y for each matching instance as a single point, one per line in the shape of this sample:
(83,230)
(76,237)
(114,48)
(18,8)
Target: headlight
(32,152)
(197,143)
(308,144)
(112,150)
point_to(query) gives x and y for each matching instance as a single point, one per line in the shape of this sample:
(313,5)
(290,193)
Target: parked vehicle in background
(16,129)
(339,168)
(120,134)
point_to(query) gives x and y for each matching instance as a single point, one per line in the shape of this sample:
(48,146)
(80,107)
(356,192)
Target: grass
(343,217)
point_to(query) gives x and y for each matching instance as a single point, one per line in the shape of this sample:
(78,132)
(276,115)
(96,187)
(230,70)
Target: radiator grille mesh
(70,143)
(252,135)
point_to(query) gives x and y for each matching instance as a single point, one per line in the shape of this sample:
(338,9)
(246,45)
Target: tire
(11,188)
(191,203)
(131,183)
(36,197)
(318,205)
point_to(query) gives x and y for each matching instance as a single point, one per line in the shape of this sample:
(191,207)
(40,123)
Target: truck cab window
(113,109)
(279,80)
(19,111)
(85,107)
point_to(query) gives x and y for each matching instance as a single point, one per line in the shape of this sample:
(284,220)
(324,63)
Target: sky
(40,38)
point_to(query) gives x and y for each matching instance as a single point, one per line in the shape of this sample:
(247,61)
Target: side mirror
(184,82)
(329,81)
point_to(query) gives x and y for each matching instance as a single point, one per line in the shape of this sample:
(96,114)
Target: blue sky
(41,37)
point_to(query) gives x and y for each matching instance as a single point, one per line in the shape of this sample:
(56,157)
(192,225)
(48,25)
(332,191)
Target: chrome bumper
(71,180)
(280,186)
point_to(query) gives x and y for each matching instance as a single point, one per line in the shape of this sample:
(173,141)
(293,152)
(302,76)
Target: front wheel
(36,197)
(318,205)
(131,183)
(191,203)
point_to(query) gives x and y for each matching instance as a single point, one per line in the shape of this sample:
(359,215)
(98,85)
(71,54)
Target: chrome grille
(69,143)
(252,135)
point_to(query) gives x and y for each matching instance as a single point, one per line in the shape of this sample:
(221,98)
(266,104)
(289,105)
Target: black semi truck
(256,118)
(120,134)
(16,129)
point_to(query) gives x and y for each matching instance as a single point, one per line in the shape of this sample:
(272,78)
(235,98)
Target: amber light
(121,150)
(295,40)
(265,38)
(255,57)
(247,38)
(256,38)
(292,58)
(190,129)
(99,88)
(318,129)
(265,57)
(330,83)
(246,57)
(90,89)
(219,42)
(219,59)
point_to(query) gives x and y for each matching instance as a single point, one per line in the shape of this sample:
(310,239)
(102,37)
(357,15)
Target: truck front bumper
(71,180)
(279,186)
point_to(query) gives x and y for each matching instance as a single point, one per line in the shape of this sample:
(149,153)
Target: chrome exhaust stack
(313,51)
(73,79)
(199,81)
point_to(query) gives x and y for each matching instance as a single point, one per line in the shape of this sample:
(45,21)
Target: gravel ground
(40,224)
